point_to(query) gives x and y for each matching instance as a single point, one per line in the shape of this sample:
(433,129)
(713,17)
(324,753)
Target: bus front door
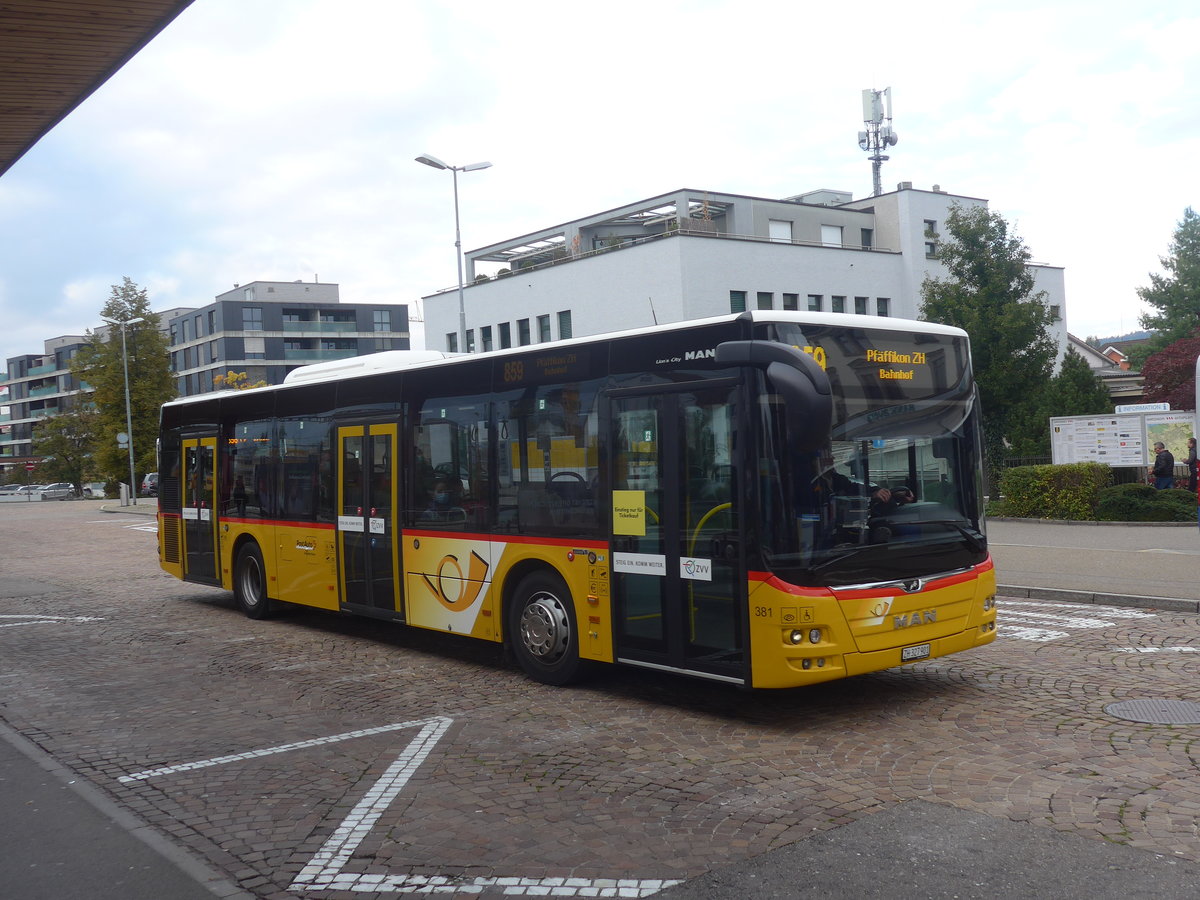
(368,555)
(679,590)
(199,502)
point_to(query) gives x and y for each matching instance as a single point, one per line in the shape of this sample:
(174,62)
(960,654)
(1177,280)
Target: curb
(1174,604)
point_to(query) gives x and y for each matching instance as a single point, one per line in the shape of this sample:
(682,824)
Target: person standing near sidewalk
(1191,464)
(1163,469)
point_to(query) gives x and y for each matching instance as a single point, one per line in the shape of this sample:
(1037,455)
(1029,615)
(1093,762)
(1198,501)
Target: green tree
(65,442)
(1175,293)
(1170,374)
(100,365)
(990,294)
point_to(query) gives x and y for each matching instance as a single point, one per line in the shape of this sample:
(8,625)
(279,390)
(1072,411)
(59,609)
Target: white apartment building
(689,254)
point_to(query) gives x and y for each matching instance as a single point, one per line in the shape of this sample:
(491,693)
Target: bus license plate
(921,651)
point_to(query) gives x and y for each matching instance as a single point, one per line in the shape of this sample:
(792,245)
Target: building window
(883,306)
(212,351)
(815,302)
(791,301)
(470,340)
(199,327)
(452,342)
(505,335)
(1055,314)
(931,236)
(839,303)
(381,320)
(187,330)
(485,337)
(860,305)
(255,347)
(252,319)
(737,301)
(831,235)
(174,334)
(248,293)
(766,300)
(564,324)
(543,323)
(779,230)
(212,321)
(523,332)
(868,238)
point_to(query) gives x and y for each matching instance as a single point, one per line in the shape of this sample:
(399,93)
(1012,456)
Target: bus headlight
(814,636)
(796,636)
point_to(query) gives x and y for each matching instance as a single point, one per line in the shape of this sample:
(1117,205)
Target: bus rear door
(678,579)
(368,554)
(199,502)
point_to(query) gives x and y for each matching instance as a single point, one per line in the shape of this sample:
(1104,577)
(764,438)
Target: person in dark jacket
(1163,469)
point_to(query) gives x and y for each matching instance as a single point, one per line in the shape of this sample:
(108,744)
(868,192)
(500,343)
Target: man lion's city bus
(768,499)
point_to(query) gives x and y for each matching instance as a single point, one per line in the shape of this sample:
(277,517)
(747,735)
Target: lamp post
(128,413)
(436,163)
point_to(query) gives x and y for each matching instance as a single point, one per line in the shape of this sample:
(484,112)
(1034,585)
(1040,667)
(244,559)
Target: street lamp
(128,414)
(436,163)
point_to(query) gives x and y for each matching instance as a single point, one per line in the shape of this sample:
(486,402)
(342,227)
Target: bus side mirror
(797,378)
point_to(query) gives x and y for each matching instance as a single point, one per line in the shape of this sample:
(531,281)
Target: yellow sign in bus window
(629,512)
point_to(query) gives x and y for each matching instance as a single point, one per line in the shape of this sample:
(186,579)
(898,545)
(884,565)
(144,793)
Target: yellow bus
(769,499)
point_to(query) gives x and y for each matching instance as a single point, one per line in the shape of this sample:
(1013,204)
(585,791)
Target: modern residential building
(265,329)
(689,254)
(33,387)
(268,328)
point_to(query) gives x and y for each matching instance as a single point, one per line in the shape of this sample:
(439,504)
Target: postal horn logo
(463,590)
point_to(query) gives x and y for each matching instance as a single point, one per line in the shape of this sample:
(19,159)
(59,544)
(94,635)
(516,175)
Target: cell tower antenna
(877,115)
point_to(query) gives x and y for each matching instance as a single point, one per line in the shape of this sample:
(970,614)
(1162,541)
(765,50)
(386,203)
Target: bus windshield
(895,493)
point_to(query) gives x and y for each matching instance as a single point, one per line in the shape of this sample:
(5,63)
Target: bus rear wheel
(250,582)
(542,630)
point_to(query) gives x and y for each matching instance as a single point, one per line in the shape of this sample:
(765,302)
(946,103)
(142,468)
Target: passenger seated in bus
(444,505)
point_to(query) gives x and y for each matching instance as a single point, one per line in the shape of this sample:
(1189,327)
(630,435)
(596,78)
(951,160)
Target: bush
(1069,491)
(1142,503)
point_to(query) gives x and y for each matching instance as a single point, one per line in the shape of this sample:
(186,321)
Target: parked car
(29,490)
(150,485)
(9,488)
(60,490)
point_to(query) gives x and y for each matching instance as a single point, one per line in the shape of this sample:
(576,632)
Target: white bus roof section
(384,361)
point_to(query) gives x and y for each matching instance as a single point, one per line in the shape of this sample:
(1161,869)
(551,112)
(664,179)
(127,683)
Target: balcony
(317,355)
(45,391)
(47,369)
(319,327)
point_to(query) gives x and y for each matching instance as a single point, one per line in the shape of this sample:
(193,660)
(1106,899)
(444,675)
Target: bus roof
(398,360)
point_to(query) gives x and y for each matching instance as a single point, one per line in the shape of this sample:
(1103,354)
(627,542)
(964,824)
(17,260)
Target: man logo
(926,617)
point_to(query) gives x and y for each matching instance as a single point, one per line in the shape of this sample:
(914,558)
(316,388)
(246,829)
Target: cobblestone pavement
(336,757)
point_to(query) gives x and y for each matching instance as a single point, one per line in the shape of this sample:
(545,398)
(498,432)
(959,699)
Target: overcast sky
(268,140)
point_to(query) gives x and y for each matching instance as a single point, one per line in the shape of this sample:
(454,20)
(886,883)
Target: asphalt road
(1136,561)
(328,757)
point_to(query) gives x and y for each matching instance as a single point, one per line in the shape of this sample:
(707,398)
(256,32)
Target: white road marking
(1158,649)
(30,619)
(1030,624)
(324,871)
(269,751)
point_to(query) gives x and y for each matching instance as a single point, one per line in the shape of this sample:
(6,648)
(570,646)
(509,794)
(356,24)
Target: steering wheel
(575,476)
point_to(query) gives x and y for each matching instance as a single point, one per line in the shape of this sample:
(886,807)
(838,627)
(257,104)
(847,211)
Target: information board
(1119,440)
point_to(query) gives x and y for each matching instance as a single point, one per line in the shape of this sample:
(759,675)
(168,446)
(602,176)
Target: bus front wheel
(250,582)
(542,630)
